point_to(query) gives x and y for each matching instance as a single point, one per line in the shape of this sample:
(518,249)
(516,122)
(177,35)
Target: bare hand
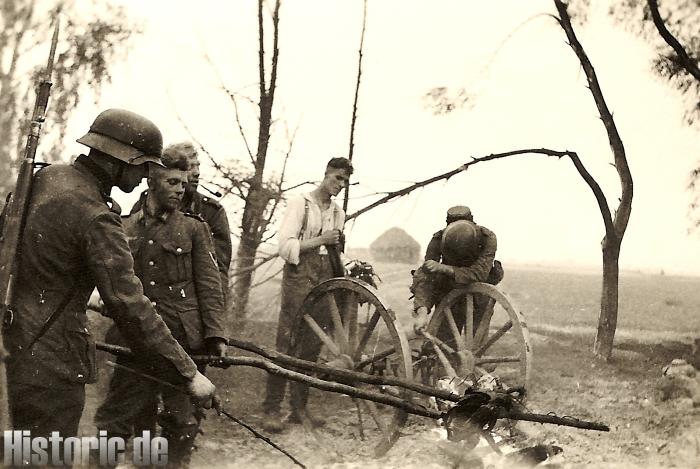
(331,237)
(420,320)
(201,390)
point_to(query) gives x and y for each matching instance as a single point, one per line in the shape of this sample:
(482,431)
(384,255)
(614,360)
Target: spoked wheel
(476,330)
(356,331)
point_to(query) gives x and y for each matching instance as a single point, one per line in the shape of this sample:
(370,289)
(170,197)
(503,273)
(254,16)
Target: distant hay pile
(395,245)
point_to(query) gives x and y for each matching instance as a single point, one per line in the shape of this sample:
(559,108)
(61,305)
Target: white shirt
(317,221)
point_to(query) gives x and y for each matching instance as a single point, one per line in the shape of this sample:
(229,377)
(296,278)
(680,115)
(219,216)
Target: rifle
(15,215)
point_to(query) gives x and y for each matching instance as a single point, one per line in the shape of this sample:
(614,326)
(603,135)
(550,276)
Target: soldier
(73,242)
(174,258)
(311,221)
(209,209)
(461,253)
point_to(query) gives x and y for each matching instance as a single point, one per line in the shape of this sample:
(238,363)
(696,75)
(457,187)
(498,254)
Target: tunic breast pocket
(178,260)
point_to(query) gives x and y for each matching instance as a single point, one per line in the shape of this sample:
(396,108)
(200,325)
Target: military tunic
(174,258)
(73,242)
(214,214)
(429,288)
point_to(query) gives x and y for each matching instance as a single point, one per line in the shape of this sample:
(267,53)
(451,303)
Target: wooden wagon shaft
(275,369)
(374,396)
(347,375)
(281,358)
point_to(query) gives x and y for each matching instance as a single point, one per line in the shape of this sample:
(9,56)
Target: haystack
(395,245)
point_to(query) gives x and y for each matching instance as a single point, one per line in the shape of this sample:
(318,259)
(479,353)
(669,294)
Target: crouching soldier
(461,253)
(174,258)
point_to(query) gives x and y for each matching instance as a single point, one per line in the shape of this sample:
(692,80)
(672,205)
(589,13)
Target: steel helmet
(460,243)
(126,136)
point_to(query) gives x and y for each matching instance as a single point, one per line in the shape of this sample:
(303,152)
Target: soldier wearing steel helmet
(73,242)
(461,253)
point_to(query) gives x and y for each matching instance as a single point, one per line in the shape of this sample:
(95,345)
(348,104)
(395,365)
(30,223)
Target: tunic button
(178,250)
(151,263)
(150,241)
(152,282)
(153,303)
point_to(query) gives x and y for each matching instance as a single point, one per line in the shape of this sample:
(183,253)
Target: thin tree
(351,148)
(89,44)
(258,194)
(615,225)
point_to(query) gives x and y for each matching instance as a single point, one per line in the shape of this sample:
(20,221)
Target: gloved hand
(435,267)
(201,390)
(420,320)
(216,346)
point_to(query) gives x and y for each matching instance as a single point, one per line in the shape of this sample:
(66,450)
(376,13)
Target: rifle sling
(52,319)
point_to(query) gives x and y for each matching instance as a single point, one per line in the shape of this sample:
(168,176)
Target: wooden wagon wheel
(474,330)
(358,332)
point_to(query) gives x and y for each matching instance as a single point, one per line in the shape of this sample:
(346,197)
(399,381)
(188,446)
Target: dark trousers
(131,407)
(430,288)
(294,337)
(43,410)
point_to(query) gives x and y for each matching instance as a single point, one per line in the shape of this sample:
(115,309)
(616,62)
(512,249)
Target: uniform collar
(146,214)
(104,181)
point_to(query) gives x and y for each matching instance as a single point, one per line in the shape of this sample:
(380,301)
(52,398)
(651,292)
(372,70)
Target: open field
(659,316)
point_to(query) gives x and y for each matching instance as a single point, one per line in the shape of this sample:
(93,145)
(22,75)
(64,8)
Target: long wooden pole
(374,396)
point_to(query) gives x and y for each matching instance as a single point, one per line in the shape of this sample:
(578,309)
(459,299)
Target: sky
(526,90)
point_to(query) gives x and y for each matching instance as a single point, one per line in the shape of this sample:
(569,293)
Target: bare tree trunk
(253,222)
(251,235)
(616,226)
(607,321)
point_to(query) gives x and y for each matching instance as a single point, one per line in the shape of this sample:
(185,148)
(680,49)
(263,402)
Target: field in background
(651,305)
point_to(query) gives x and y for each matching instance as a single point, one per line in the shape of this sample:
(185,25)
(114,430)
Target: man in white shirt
(312,222)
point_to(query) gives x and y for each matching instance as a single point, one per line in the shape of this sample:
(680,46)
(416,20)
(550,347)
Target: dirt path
(566,380)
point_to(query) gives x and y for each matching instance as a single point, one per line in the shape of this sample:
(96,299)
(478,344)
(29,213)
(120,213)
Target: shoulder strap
(54,316)
(304,220)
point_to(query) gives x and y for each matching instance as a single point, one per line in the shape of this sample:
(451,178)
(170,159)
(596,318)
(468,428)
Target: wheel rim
(359,332)
(474,329)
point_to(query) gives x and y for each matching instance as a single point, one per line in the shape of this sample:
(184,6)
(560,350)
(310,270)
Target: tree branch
(464,167)
(256,265)
(351,149)
(625,207)
(688,63)
(275,50)
(234,100)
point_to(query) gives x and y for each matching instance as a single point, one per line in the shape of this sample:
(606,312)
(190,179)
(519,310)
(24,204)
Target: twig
(262,437)
(256,265)
(351,149)
(220,409)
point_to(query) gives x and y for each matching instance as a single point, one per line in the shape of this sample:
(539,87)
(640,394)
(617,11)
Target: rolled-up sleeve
(479,270)
(111,265)
(288,236)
